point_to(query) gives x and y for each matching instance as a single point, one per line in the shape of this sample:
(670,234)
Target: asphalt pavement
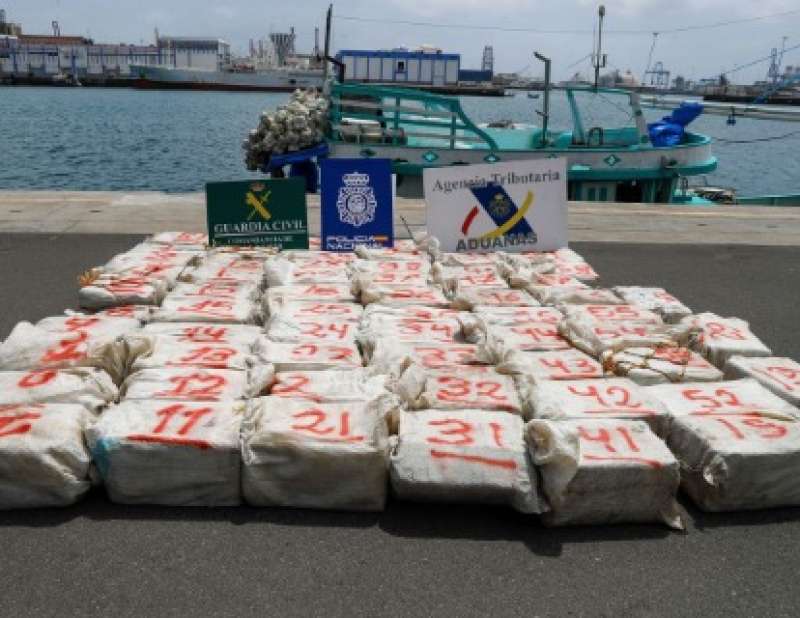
(97,558)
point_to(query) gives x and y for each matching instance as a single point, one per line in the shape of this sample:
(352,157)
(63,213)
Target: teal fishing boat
(417,130)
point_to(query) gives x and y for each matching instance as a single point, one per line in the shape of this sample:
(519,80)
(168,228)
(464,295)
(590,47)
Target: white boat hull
(275,80)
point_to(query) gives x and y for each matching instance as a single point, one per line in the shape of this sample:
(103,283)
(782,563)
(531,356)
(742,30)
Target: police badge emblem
(356,200)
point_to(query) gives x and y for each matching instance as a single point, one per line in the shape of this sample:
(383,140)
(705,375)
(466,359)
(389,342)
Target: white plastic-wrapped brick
(778,374)
(137,312)
(392,356)
(388,253)
(331,386)
(166,274)
(664,365)
(98,327)
(515,315)
(188,240)
(418,243)
(467,299)
(280,271)
(595,337)
(168,452)
(565,295)
(216,289)
(735,397)
(30,347)
(379,327)
(239,335)
(149,255)
(368,291)
(559,281)
(529,336)
(233,267)
(529,258)
(91,388)
(197,383)
(106,291)
(301,310)
(565,255)
(316,258)
(165,351)
(545,288)
(569,364)
(580,270)
(463,456)
(310,355)
(474,326)
(419,268)
(720,338)
(315,455)
(43,458)
(395,277)
(414,312)
(617,398)
(239,309)
(312,292)
(251,252)
(521,274)
(604,471)
(468,259)
(627,314)
(455,278)
(331,330)
(457,388)
(734,463)
(655,299)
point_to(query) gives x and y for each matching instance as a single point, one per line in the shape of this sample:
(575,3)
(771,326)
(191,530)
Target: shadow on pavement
(439,521)
(703,521)
(403,520)
(400,519)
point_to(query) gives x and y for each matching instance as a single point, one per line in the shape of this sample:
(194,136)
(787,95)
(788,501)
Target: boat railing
(372,114)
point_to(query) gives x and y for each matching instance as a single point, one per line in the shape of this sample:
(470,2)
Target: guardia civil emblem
(356,201)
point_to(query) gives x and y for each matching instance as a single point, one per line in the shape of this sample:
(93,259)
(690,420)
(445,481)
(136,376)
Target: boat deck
(107,212)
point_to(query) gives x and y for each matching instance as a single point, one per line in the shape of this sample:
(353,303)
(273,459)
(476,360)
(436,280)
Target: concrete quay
(119,212)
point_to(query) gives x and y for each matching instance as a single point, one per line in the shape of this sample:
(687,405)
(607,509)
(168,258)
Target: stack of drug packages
(449,377)
(174,436)
(58,375)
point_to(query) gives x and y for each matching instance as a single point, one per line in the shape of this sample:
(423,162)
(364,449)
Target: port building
(45,56)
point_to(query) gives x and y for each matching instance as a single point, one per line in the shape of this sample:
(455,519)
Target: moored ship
(273,65)
(269,80)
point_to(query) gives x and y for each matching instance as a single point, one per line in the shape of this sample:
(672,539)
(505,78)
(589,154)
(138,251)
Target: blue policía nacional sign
(357,203)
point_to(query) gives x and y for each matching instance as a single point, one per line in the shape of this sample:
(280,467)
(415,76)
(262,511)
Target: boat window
(401,66)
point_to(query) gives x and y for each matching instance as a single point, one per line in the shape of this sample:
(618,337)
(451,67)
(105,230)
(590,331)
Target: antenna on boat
(545,113)
(599,59)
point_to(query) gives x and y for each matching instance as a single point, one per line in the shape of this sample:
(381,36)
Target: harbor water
(176,141)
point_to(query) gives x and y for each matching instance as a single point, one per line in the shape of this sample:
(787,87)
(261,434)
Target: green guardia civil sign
(258,212)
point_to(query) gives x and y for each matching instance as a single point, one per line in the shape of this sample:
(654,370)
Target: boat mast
(328,18)
(545,113)
(599,60)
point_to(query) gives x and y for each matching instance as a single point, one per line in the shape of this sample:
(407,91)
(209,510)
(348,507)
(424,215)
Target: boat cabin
(418,130)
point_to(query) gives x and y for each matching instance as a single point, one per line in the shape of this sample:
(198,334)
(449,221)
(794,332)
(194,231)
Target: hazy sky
(695,54)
